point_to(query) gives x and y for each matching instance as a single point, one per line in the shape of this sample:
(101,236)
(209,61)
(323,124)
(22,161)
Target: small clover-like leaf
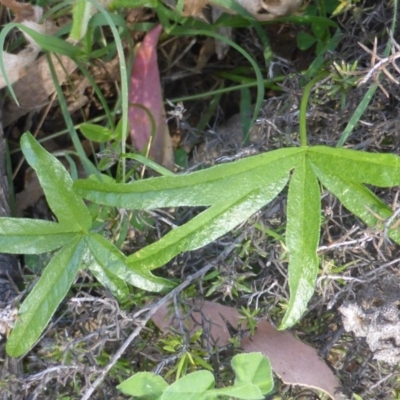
(193,386)
(253,377)
(144,384)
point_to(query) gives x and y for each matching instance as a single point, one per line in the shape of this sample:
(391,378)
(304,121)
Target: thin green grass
(370,92)
(87,164)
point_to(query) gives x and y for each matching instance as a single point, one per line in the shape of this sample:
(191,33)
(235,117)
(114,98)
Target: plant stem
(303,107)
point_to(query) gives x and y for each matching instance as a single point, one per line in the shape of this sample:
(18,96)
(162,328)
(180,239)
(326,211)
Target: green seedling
(249,318)
(253,381)
(320,26)
(191,355)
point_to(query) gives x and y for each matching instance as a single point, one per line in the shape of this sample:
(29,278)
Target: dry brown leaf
(206,52)
(295,362)
(34,88)
(264,10)
(193,8)
(32,79)
(210,316)
(15,64)
(22,11)
(221,47)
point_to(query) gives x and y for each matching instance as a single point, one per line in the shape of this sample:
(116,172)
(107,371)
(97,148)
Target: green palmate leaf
(37,309)
(28,236)
(144,384)
(69,209)
(190,387)
(201,188)
(302,237)
(113,262)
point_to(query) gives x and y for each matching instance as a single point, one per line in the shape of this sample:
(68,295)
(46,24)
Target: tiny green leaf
(42,302)
(144,384)
(96,133)
(244,391)
(305,40)
(253,368)
(57,186)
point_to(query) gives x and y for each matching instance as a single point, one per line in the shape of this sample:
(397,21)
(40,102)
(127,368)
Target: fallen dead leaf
(193,8)
(32,79)
(15,64)
(295,362)
(145,97)
(262,10)
(35,87)
(265,10)
(23,11)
